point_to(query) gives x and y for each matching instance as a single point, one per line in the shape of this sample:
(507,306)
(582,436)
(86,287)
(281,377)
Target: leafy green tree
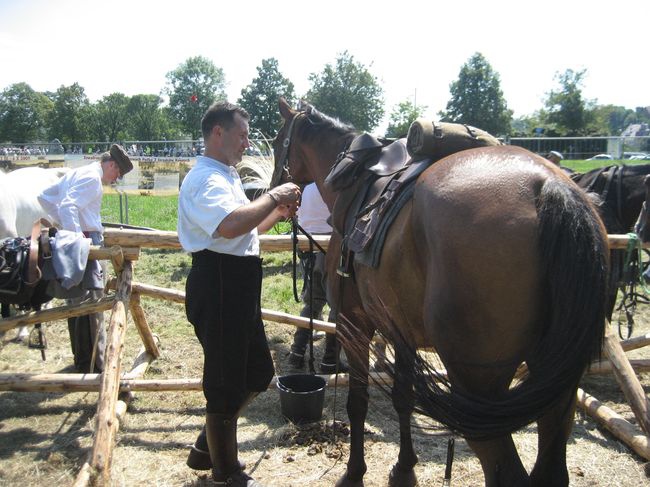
(349,92)
(170,127)
(477,99)
(524,126)
(112,118)
(192,87)
(23,114)
(67,120)
(642,114)
(146,117)
(401,118)
(608,120)
(566,109)
(260,98)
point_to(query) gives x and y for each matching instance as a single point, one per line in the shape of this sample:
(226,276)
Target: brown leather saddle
(374,179)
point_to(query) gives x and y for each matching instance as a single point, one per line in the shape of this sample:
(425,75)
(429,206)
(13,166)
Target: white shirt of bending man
(75,200)
(313,212)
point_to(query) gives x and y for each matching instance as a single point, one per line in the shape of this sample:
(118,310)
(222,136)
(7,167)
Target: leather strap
(33,272)
(46,249)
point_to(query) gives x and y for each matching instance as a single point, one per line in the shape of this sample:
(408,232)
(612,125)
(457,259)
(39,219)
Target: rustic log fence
(116,389)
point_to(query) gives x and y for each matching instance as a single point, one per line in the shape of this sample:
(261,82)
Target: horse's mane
(315,124)
(637,169)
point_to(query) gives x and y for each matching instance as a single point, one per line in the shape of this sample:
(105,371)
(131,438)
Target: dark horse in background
(497,259)
(621,191)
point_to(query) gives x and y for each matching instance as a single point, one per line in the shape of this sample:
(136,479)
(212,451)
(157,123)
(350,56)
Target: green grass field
(154,211)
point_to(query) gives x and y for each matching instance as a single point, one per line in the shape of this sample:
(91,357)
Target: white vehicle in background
(634,155)
(640,157)
(601,157)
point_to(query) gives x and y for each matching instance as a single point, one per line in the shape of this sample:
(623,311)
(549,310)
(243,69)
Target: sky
(414,48)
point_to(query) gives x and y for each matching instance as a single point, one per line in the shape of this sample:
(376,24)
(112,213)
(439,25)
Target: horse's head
(289,162)
(306,146)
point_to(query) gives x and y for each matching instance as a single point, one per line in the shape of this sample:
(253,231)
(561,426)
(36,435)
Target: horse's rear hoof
(345,481)
(401,477)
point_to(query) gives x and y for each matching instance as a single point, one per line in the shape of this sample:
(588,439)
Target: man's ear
(217,131)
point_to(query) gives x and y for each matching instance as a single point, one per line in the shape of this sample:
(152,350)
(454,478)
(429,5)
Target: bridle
(282,163)
(611,174)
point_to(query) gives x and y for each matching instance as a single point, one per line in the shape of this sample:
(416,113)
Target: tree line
(346,89)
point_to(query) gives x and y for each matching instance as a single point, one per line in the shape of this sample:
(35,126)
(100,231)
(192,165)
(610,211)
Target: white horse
(19,206)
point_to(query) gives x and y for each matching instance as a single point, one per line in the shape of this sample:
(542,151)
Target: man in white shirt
(74,203)
(312,217)
(219,226)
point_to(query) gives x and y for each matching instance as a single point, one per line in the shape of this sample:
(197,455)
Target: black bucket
(301,397)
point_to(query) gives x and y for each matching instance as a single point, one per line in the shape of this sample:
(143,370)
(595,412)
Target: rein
(611,174)
(632,276)
(309,275)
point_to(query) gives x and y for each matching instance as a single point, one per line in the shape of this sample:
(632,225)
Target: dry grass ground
(44,437)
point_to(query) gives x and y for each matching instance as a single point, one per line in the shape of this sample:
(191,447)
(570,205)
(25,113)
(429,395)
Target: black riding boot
(222,442)
(332,362)
(199,456)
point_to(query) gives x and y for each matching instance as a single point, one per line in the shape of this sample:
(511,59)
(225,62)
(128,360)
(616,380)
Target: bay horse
(496,259)
(622,190)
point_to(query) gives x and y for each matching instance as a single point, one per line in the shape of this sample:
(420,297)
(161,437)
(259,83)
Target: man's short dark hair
(221,113)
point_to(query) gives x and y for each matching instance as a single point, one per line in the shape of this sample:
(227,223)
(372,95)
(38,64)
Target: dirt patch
(45,437)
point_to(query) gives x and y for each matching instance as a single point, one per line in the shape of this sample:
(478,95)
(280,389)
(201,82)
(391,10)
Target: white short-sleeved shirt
(209,193)
(313,212)
(75,200)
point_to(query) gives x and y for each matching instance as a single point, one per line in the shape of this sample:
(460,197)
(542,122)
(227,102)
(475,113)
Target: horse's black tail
(574,251)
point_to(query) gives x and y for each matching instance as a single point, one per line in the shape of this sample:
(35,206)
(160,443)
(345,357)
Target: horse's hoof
(401,477)
(346,481)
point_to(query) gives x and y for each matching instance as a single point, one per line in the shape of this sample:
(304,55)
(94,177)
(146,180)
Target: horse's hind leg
(553,430)
(499,458)
(402,473)
(500,462)
(4,312)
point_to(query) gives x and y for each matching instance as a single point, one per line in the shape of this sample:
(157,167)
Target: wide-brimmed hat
(119,155)
(556,154)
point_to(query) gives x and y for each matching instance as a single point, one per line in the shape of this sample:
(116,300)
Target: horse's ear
(304,106)
(285,110)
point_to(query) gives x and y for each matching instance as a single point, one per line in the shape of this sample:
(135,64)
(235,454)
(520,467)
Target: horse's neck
(321,159)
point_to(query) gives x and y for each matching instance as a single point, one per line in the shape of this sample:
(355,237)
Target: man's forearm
(269,221)
(247,217)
